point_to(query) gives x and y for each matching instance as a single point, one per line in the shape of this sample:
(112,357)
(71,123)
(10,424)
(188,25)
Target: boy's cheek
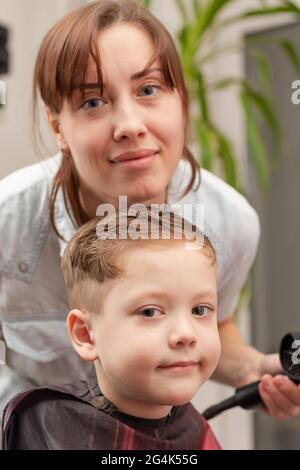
(213,353)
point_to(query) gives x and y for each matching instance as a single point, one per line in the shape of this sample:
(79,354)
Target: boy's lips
(179,364)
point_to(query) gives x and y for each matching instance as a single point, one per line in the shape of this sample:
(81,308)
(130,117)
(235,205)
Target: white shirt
(33,300)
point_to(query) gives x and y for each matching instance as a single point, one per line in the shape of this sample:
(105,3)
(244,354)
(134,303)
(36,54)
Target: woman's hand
(241,364)
(280,395)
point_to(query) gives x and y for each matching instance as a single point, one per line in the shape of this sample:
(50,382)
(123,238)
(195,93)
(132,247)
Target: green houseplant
(202,20)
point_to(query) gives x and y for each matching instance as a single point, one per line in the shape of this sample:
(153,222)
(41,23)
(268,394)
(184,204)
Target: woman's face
(136,114)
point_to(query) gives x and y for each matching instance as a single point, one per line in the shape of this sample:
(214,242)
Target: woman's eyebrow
(145,72)
(135,76)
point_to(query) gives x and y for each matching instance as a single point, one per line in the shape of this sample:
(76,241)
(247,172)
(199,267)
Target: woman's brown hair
(61,68)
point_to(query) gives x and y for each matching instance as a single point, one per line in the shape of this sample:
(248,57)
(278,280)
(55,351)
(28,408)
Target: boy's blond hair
(93,255)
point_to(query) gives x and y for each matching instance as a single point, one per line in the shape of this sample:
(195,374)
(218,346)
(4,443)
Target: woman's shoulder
(28,182)
(228,210)
(214,191)
(24,217)
(230,221)
(228,215)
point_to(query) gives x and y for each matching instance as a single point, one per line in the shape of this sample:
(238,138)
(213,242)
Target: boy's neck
(134,408)
(157,412)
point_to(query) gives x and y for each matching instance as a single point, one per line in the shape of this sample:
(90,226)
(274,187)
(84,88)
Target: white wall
(28,21)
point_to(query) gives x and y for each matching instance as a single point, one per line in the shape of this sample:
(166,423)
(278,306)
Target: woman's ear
(55,126)
(81,336)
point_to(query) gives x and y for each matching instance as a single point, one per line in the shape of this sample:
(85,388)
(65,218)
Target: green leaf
(186,58)
(208,144)
(257,148)
(197,7)
(288,7)
(265,74)
(292,6)
(212,11)
(202,95)
(292,53)
(265,108)
(214,53)
(271,11)
(200,22)
(147,3)
(213,144)
(204,20)
(260,100)
(224,83)
(183,37)
(263,101)
(182,9)
(228,160)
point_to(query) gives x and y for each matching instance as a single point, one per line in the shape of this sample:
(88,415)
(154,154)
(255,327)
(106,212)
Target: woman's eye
(150,90)
(150,312)
(93,103)
(201,310)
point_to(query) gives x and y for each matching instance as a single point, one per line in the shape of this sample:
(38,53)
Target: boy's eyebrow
(205,294)
(151,293)
(135,76)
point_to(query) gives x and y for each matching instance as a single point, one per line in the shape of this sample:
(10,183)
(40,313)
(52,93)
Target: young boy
(144,310)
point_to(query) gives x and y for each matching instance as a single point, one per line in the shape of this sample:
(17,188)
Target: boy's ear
(82,337)
(55,126)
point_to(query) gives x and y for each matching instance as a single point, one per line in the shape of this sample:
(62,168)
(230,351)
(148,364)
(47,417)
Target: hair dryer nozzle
(290,355)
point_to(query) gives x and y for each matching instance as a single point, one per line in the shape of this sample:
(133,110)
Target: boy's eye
(150,90)
(201,310)
(150,312)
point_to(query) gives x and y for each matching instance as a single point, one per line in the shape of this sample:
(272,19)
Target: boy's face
(162,311)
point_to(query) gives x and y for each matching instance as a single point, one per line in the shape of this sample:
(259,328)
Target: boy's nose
(182,335)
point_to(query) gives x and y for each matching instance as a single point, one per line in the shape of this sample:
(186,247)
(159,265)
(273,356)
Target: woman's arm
(241,364)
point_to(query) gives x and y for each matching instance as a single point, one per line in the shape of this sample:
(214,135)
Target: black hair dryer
(248,396)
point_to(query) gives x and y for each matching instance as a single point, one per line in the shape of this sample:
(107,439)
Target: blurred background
(246,131)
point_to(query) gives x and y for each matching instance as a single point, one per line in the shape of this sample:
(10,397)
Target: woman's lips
(136,160)
(138,153)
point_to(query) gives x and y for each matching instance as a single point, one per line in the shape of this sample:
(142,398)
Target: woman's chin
(146,191)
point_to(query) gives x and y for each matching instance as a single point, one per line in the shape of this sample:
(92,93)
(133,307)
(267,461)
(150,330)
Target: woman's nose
(128,124)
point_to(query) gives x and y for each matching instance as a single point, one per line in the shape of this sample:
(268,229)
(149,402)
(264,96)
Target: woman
(112,85)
